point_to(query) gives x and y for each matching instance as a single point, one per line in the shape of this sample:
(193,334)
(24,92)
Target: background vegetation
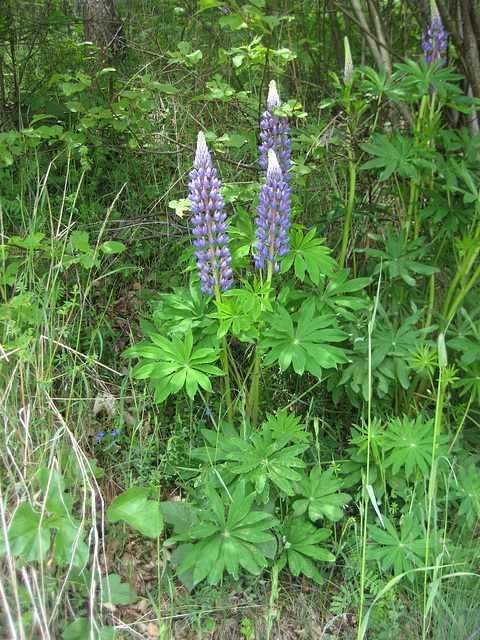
(336,493)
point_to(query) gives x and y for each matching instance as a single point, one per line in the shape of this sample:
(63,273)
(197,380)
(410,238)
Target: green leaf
(112,590)
(83,629)
(300,539)
(136,510)
(28,534)
(305,345)
(53,486)
(411,443)
(395,155)
(178,364)
(403,551)
(68,547)
(322,499)
(111,246)
(226,543)
(308,255)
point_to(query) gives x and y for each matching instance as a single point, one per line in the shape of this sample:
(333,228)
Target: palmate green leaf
(468,481)
(410,442)
(182,310)
(177,365)
(404,552)
(395,155)
(398,258)
(391,354)
(308,255)
(253,297)
(336,295)
(321,497)
(286,427)
(305,344)
(469,383)
(300,547)
(236,319)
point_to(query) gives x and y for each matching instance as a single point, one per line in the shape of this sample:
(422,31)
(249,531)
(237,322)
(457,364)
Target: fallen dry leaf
(153,631)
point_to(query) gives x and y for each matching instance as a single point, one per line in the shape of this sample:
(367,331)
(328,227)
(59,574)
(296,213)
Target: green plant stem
(411,212)
(449,311)
(352,166)
(252,404)
(226,378)
(431,300)
(431,488)
(371,325)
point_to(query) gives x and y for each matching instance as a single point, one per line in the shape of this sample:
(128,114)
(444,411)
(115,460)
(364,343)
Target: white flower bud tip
(273,99)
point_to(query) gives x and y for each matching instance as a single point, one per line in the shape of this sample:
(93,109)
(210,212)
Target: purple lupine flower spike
(208,219)
(273,220)
(274,135)
(437,39)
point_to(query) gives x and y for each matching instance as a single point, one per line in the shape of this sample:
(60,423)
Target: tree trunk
(338,45)
(464,36)
(103,26)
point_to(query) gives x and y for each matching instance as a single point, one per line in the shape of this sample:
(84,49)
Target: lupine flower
(274,135)
(208,218)
(273,220)
(437,39)
(115,433)
(348,71)
(100,436)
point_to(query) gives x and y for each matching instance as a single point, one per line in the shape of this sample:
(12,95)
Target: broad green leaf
(138,511)
(112,246)
(112,590)
(28,534)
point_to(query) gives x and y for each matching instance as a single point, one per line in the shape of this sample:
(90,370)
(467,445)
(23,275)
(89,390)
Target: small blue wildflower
(437,39)
(208,218)
(100,436)
(115,433)
(207,412)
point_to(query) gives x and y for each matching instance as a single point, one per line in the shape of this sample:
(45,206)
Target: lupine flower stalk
(273,220)
(437,39)
(348,71)
(208,219)
(274,135)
